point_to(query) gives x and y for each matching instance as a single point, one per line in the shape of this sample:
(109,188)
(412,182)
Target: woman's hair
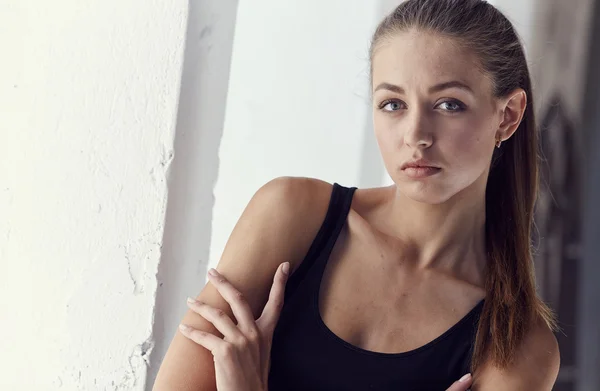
(512,305)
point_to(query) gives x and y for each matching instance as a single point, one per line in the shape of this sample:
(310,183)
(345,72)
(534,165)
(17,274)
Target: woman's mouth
(419,168)
(417,172)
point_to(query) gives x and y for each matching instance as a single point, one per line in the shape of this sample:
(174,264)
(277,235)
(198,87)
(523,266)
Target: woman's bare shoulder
(289,211)
(278,225)
(291,208)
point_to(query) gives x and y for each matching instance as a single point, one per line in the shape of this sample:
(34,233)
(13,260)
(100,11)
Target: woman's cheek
(467,149)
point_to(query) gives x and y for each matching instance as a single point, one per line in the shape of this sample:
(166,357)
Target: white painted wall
(298,101)
(88,98)
(183,266)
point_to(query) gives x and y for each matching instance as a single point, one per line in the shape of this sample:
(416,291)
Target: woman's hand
(462,384)
(242,356)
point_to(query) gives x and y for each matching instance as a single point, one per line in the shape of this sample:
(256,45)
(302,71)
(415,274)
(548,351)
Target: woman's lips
(418,172)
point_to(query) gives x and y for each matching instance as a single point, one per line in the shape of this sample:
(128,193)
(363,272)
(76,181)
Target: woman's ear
(513,112)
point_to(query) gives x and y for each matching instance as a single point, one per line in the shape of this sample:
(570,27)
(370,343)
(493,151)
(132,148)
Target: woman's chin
(426,193)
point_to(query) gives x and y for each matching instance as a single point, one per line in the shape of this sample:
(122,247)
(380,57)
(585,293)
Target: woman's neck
(449,237)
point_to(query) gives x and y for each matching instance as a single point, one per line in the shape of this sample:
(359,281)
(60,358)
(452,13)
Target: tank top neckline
(343,210)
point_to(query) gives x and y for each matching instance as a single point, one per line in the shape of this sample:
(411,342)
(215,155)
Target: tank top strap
(318,253)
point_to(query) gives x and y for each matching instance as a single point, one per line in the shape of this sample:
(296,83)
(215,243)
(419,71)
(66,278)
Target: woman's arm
(278,225)
(534,369)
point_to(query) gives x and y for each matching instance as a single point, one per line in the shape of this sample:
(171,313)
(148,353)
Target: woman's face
(432,103)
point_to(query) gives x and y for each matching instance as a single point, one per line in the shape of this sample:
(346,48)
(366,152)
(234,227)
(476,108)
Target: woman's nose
(417,133)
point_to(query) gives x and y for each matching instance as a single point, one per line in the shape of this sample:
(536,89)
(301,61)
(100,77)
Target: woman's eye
(391,106)
(451,106)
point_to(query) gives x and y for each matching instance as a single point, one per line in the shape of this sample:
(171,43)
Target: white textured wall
(298,101)
(200,116)
(88,97)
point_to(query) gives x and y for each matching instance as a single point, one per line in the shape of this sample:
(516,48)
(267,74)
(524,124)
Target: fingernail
(192,301)
(465,378)
(286,268)
(213,272)
(184,328)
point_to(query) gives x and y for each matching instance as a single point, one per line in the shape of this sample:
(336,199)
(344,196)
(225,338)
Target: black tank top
(307,356)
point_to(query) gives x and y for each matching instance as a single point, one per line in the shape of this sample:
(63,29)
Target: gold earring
(498,143)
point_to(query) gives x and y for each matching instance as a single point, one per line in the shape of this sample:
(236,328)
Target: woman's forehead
(419,58)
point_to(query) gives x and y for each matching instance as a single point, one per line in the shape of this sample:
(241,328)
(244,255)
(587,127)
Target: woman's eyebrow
(389,87)
(435,88)
(450,84)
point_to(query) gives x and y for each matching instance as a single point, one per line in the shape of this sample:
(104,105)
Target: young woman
(406,287)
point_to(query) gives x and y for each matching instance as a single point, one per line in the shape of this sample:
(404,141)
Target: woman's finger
(272,309)
(217,317)
(462,384)
(239,306)
(202,338)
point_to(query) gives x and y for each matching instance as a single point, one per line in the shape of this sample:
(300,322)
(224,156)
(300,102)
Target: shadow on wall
(194,169)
